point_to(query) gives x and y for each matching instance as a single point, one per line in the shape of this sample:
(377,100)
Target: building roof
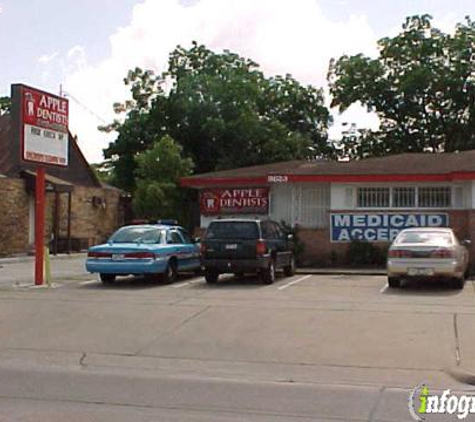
(78,171)
(399,168)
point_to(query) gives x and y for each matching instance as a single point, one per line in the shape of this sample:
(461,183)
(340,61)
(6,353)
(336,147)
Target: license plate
(231,247)
(420,271)
(117,257)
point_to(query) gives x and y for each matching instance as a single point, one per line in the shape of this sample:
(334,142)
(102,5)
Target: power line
(92,113)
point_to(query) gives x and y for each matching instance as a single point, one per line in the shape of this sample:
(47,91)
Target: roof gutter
(202,182)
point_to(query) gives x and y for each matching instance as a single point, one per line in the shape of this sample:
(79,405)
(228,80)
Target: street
(313,347)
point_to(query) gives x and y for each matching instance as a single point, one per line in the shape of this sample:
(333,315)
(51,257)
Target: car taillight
(261,247)
(95,254)
(442,253)
(140,255)
(399,253)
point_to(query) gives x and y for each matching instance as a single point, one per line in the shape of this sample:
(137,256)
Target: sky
(85,48)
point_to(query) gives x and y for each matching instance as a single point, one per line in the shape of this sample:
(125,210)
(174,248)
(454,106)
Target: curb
(341,271)
(461,374)
(31,258)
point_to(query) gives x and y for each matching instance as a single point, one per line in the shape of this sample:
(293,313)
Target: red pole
(39,225)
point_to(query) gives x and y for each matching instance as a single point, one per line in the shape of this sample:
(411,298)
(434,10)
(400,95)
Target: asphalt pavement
(314,347)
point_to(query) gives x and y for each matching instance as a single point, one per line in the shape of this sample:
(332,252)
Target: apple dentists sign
(378,227)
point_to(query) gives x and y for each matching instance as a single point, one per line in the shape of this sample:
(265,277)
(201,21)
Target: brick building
(335,203)
(80,211)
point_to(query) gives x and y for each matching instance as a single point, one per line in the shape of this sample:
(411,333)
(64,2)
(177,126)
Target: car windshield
(233,230)
(429,238)
(138,235)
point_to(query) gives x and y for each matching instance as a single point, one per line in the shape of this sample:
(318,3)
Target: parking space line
(187,283)
(384,288)
(183,284)
(293,282)
(85,283)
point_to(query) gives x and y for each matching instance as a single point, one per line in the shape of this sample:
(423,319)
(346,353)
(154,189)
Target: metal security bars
(373,197)
(404,197)
(305,205)
(434,197)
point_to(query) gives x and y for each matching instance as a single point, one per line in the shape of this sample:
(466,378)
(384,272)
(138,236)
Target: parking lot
(309,347)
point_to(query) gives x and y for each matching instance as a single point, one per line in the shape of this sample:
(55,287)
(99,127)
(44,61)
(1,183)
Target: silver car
(429,253)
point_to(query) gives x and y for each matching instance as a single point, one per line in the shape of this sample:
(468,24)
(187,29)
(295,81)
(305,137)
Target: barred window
(373,197)
(404,197)
(313,203)
(306,205)
(434,197)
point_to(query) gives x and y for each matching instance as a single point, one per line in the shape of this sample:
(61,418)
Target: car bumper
(440,268)
(124,267)
(236,265)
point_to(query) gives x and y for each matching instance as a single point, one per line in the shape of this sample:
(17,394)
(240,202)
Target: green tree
(103,171)
(158,172)
(5,105)
(222,110)
(422,86)
(138,131)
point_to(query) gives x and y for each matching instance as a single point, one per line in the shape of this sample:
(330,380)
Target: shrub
(298,245)
(363,253)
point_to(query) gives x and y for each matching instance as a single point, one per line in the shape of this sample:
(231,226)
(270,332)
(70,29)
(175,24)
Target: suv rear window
(233,230)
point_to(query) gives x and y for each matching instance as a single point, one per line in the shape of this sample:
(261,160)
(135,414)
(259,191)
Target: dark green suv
(247,245)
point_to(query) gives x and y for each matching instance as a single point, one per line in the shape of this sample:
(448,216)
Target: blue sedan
(150,250)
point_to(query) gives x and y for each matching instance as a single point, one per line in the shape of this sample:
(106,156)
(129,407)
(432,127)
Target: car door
(177,248)
(461,251)
(190,250)
(270,236)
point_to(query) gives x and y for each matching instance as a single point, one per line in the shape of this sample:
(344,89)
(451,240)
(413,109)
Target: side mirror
(466,242)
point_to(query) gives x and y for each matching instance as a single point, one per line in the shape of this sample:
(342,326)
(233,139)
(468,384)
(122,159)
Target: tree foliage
(103,171)
(5,105)
(422,86)
(158,172)
(223,112)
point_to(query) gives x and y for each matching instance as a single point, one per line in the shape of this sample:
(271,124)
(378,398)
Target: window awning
(53,184)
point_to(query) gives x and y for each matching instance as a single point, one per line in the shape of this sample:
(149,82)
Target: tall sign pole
(40,188)
(44,137)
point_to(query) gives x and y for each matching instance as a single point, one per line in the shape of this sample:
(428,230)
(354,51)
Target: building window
(305,205)
(434,197)
(404,197)
(373,198)
(312,204)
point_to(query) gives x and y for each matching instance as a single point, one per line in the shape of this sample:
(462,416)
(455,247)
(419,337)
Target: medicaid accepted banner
(380,227)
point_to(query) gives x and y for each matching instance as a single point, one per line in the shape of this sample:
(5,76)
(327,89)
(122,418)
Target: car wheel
(268,275)
(289,270)
(458,283)
(107,278)
(211,277)
(394,282)
(170,274)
